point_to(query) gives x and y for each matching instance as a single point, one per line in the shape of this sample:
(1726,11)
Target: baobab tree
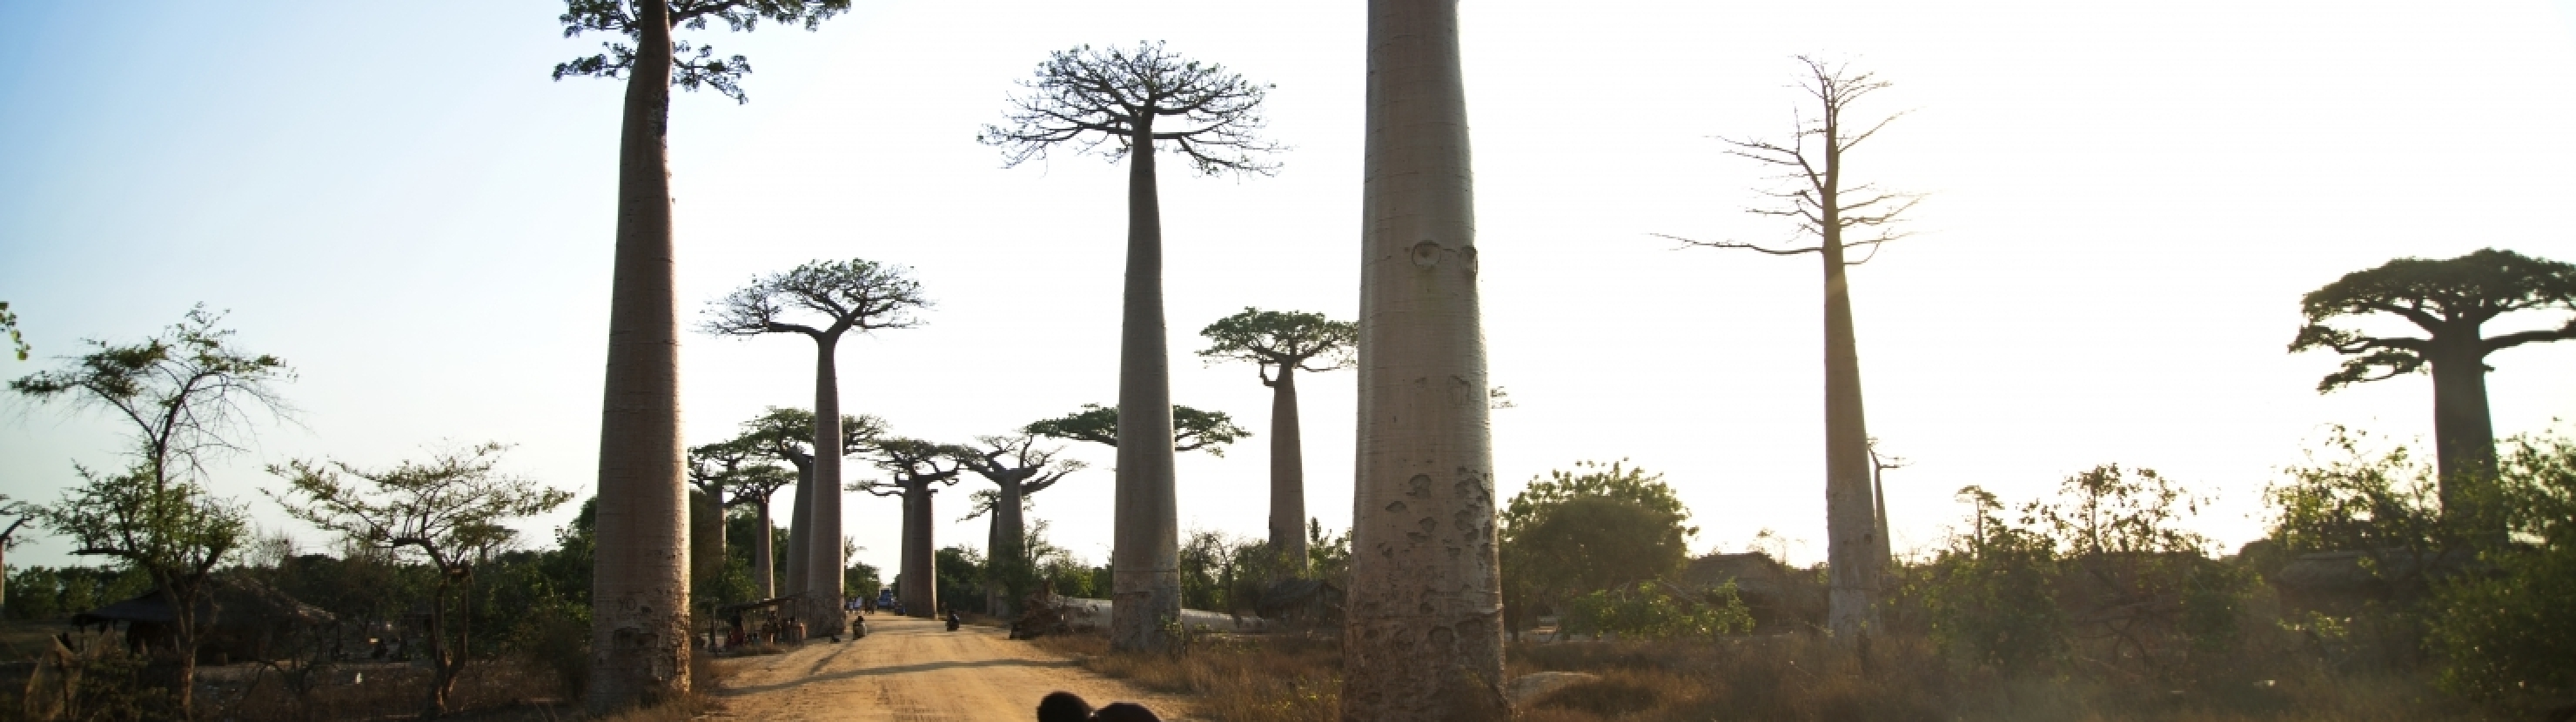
(733,473)
(1837,215)
(1130,100)
(452,510)
(821,301)
(1284,343)
(1423,638)
(2451,301)
(918,469)
(1017,468)
(1192,429)
(640,593)
(786,434)
(184,397)
(1878,466)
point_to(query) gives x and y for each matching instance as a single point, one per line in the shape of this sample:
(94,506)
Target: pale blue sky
(2129,199)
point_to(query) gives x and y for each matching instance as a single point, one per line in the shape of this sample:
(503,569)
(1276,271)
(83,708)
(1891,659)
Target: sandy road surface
(912,669)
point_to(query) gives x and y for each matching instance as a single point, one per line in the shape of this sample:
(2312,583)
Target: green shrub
(1653,610)
(2506,632)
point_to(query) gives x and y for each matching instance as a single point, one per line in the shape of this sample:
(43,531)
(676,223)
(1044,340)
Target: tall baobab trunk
(640,587)
(706,539)
(920,580)
(763,576)
(800,528)
(1424,637)
(1287,471)
(1145,555)
(2463,434)
(1850,519)
(1878,500)
(1007,545)
(823,561)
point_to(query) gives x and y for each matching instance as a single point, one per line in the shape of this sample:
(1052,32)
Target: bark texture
(1424,636)
(640,588)
(920,580)
(2463,433)
(800,528)
(1287,471)
(1851,519)
(823,563)
(1008,538)
(1145,555)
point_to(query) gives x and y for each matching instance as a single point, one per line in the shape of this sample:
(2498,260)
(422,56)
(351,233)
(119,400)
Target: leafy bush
(2507,633)
(1652,610)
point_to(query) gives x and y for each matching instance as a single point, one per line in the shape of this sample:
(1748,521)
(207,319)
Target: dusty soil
(912,669)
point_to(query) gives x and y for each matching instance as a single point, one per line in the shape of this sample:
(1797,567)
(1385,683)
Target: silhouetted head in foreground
(1067,707)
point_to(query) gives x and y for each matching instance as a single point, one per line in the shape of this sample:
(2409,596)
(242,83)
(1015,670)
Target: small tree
(830,298)
(1192,429)
(1284,343)
(1017,468)
(187,394)
(1594,528)
(1826,207)
(1133,100)
(2451,301)
(639,636)
(919,468)
(451,510)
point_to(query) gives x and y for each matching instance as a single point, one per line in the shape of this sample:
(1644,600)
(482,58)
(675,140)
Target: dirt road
(912,669)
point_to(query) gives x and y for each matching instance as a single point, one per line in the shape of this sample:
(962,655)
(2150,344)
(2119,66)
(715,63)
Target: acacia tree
(185,396)
(822,300)
(451,510)
(639,598)
(918,468)
(1424,636)
(1288,342)
(2451,301)
(1192,429)
(1130,100)
(1017,468)
(786,434)
(1826,208)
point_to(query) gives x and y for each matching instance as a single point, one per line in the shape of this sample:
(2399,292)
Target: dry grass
(1788,677)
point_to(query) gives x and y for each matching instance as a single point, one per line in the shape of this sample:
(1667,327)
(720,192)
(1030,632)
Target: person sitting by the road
(858,627)
(1069,707)
(954,620)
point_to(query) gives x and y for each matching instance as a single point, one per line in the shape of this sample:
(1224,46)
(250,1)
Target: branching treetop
(854,294)
(186,392)
(1016,459)
(744,467)
(789,433)
(1089,97)
(1816,194)
(1192,429)
(1282,339)
(915,463)
(451,507)
(2448,299)
(691,67)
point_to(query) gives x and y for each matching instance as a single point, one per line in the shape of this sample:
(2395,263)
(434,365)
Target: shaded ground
(912,669)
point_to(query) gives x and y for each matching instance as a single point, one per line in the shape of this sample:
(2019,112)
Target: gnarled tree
(1017,468)
(1424,637)
(1837,215)
(918,469)
(1130,101)
(821,301)
(452,510)
(639,600)
(1286,342)
(2450,301)
(184,396)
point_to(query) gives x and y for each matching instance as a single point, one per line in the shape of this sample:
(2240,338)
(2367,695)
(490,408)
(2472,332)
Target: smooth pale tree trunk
(640,585)
(920,581)
(1009,537)
(1145,554)
(1287,471)
(1423,639)
(763,577)
(2463,431)
(1878,499)
(800,528)
(823,561)
(1851,524)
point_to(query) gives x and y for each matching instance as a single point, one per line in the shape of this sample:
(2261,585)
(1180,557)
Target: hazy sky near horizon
(2127,200)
